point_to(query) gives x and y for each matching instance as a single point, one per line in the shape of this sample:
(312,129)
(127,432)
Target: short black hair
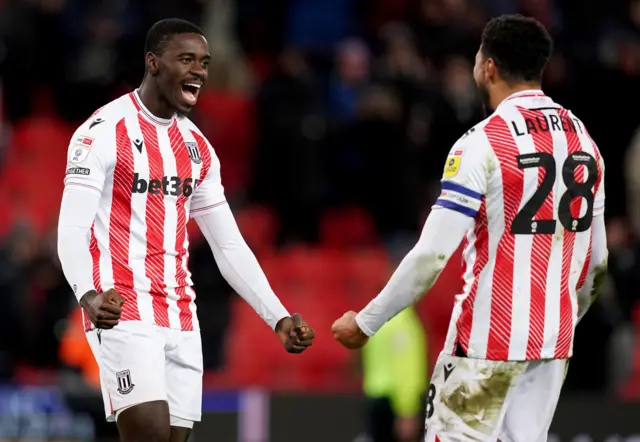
(520,46)
(162,31)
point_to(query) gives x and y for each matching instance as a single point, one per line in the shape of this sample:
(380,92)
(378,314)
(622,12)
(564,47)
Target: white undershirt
(235,259)
(440,237)
(418,271)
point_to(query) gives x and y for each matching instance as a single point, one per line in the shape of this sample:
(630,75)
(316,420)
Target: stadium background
(332,119)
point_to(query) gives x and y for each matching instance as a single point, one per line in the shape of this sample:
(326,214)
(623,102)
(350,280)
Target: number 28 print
(525,223)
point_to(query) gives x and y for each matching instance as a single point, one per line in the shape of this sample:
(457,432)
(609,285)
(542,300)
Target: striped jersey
(531,177)
(151,174)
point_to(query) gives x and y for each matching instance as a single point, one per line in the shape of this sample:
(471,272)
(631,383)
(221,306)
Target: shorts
(142,362)
(486,401)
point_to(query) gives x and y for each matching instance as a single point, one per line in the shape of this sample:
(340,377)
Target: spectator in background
(288,170)
(624,276)
(632,181)
(16,254)
(101,36)
(395,379)
(318,25)
(350,79)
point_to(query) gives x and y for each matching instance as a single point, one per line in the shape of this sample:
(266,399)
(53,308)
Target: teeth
(197,86)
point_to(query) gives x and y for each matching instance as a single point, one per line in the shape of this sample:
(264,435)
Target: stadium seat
(259,225)
(226,119)
(365,273)
(350,227)
(253,352)
(326,362)
(308,268)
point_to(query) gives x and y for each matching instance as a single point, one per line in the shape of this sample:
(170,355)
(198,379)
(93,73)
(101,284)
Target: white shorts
(144,362)
(486,401)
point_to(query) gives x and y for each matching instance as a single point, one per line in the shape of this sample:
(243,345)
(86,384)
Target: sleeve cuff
(361,324)
(277,318)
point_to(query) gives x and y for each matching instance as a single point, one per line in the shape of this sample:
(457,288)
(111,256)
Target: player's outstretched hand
(296,335)
(346,331)
(104,309)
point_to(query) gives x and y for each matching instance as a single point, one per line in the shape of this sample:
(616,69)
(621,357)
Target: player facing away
(136,171)
(524,192)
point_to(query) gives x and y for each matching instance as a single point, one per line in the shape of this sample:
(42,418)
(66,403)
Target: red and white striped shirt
(532,178)
(151,174)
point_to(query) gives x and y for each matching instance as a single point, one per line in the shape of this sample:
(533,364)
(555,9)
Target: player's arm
(88,159)
(453,215)
(596,272)
(237,263)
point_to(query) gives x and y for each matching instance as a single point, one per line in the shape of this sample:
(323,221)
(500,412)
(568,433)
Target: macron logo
(96,122)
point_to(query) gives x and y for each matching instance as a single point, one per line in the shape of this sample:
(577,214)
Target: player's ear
(153,66)
(490,69)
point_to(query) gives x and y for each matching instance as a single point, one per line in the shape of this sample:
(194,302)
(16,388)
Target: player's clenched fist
(346,331)
(104,309)
(296,335)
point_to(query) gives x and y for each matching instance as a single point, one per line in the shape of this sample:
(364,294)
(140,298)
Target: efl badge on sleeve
(80,149)
(453,163)
(194,153)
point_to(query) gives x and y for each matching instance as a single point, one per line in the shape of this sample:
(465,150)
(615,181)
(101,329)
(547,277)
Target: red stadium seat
(350,227)
(310,269)
(227,120)
(366,272)
(250,348)
(259,226)
(325,363)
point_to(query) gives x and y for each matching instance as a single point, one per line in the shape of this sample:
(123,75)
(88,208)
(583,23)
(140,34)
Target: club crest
(124,382)
(194,153)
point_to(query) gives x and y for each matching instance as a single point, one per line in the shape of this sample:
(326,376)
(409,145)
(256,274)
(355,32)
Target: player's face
(183,70)
(479,75)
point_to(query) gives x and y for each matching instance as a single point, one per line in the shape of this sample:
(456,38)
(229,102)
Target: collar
(137,102)
(529,93)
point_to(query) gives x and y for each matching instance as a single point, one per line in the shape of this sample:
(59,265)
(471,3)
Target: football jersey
(532,178)
(151,175)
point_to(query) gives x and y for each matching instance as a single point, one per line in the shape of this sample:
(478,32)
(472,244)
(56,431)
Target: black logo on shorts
(447,370)
(124,382)
(194,153)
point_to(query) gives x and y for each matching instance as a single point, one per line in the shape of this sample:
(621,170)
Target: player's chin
(183,103)
(183,107)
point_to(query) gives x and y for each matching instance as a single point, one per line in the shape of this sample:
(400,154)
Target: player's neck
(153,101)
(505,90)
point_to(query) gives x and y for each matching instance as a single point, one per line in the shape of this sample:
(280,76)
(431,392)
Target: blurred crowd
(320,111)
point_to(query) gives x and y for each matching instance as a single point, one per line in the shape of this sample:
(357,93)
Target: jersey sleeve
(464,180)
(210,192)
(598,202)
(90,156)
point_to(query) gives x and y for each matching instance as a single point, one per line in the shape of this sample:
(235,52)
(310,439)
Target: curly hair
(161,32)
(520,46)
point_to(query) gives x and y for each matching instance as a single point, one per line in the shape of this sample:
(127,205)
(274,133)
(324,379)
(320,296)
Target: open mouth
(190,92)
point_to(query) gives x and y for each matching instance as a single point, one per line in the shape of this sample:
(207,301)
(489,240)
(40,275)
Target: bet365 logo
(174,185)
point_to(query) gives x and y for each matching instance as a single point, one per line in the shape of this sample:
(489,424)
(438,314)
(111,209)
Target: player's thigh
(132,364)
(466,398)
(533,401)
(184,377)
(145,422)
